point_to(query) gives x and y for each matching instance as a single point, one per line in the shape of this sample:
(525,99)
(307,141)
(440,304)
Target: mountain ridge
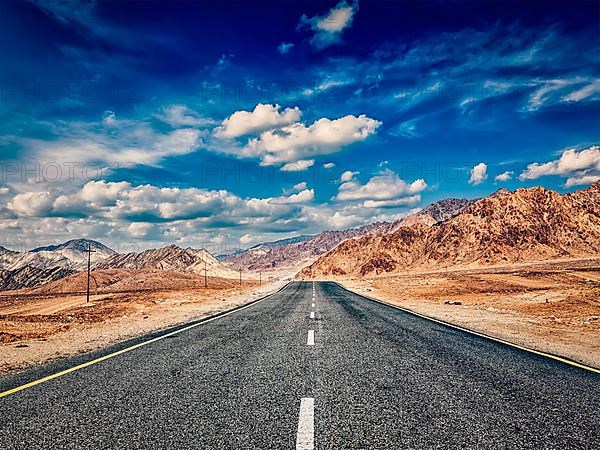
(295,254)
(170,257)
(525,225)
(51,263)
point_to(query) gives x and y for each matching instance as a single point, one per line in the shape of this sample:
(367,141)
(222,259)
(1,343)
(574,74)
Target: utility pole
(240,277)
(205,275)
(259,278)
(90,251)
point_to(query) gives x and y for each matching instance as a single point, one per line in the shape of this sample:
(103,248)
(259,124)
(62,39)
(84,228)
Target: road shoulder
(517,329)
(144,316)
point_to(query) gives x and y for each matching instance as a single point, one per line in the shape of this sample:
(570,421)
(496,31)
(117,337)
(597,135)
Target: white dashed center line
(312,314)
(305,439)
(312,306)
(311,337)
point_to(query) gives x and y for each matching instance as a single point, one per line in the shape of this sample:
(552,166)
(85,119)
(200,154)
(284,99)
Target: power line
(89,266)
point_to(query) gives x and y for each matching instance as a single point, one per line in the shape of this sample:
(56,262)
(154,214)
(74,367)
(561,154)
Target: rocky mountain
(44,264)
(264,246)
(280,243)
(289,255)
(294,253)
(31,276)
(7,257)
(526,225)
(76,251)
(171,258)
(51,263)
(437,212)
(72,255)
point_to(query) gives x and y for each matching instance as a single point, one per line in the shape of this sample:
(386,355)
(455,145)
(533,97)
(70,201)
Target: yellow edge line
(502,341)
(128,349)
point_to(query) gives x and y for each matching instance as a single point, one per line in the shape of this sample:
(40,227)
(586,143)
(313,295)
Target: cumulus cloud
(102,193)
(579,167)
(262,118)
(298,166)
(385,189)
(298,141)
(405,201)
(300,186)
(154,204)
(285,47)
(347,175)
(328,28)
(31,204)
(581,180)
(142,230)
(505,176)
(478,174)
(149,216)
(329,165)
(305,196)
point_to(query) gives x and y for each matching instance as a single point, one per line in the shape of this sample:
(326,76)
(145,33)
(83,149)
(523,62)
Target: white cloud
(298,166)
(285,47)
(550,92)
(300,186)
(329,165)
(406,201)
(478,174)
(505,176)
(263,117)
(140,230)
(102,193)
(587,91)
(109,118)
(31,204)
(328,28)
(147,203)
(579,167)
(128,142)
(178,142)
(582,180)
(296,142)
(305,196)
(247,239)
(383,190)
(182,116)
(347,175)
(149,216)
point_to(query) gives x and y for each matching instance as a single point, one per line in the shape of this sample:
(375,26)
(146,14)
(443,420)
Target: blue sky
(224,124)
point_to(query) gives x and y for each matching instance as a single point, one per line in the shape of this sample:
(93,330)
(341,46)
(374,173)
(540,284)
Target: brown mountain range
(526,225)
(171,258)
(293,254)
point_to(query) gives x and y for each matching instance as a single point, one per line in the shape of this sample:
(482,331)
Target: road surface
(346,373)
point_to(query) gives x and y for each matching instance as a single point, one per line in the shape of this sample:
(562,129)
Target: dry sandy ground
(552,307)
(35,328)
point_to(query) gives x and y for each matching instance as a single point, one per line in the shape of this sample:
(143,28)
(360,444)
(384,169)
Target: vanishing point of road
(312,366)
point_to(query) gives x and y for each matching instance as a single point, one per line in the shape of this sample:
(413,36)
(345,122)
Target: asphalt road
(372,377)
